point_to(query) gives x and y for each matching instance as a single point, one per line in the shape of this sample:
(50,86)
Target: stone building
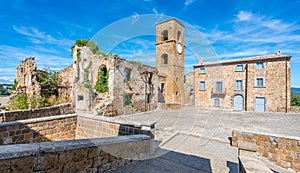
(170,62)
(131,86)
(189,96)
(26,77)
(258,84)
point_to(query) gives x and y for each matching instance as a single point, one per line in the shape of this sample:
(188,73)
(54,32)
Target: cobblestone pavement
(192,140)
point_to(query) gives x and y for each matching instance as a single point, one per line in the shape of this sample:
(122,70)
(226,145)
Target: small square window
(238,85)
(80,97)
(202,86)
(239,67)
(216,102)
(260,65)
(202,70)
(259,82)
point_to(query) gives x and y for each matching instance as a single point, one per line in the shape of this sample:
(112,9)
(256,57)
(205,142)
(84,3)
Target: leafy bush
(92,45)
(49,81)
(102,82)
(295,100)
(21,102)
(86,81)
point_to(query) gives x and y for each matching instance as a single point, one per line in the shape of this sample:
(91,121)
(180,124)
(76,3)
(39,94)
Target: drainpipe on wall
(246,86)
(286,87)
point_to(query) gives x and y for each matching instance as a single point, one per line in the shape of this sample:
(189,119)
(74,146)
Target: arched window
(178,36)
(164,58)
(165,35)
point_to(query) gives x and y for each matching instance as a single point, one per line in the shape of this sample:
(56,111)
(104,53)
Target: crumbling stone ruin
(28,83)
(27,77)
(130,86)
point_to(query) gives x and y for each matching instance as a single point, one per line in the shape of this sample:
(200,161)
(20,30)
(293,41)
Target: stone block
(296,166)
(24,164)
(285,164)
(5,165)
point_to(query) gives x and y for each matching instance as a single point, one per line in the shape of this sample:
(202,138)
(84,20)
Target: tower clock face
(179,48)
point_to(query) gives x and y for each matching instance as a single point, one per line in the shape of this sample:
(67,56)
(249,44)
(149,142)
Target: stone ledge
(111,120)
(23,150)
(266,134)
(35,120)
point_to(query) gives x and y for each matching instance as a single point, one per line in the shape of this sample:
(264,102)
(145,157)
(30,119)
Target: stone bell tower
(170,61)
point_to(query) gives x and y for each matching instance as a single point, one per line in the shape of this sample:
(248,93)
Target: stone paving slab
(203,134)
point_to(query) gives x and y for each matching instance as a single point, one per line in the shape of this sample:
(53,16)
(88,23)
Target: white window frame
(237,69)
(258,67)
(236,86)
(202,72)
(219,89)
(216,102)
(256,82)
(200,86)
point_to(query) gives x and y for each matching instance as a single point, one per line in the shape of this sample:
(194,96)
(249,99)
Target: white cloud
(188,2)
(38,37)
(6,79)
(244,16)
(155,11)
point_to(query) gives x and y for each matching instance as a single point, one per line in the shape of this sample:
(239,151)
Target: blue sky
(227,29)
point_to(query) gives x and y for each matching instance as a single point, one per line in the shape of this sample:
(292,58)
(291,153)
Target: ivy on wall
(102,82)
(86,81)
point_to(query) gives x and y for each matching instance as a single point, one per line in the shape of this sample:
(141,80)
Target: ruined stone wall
(53,128)
(111,103)
(283,151)
(189,96)
(61,109)
(97,155)
(26,77)
(93,128)
(65,91)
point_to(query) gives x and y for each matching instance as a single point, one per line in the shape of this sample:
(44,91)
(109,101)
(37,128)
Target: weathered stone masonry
(61,109)
(53,128)
(86,155)
(283,151)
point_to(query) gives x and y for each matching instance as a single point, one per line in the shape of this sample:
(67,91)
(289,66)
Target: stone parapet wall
(94,128)
(61,109)
(295,109)
(169,106)
(96,155)
(283,151)
(53,128)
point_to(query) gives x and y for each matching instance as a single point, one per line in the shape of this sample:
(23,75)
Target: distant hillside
(5,89)
(295,90)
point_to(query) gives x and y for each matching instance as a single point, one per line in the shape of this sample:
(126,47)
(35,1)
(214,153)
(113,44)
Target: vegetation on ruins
(102,82)
(86,80)
(88,43)
(21,102)
(14,87)
(49,81)
(295,99)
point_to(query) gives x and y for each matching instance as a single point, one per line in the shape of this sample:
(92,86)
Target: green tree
(15,84)
(102,82)
(49,81)
(295,100)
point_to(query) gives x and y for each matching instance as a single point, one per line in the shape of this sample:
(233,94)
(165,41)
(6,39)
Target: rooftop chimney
(200,60)
(278,53)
